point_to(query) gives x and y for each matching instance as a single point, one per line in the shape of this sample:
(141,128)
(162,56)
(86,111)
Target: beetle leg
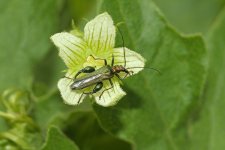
(112,63)
(128,73)
(118,76)
(68,77)
(121,78)
(105,61)
(80,97)
(87,69)
(110,81)
(97,88)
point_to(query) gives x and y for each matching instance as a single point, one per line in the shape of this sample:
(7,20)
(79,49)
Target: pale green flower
(98,40)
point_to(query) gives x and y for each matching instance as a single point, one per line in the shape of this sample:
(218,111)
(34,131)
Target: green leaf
(191,16)
(157,107)
(207,128)
(25,28)
(56,140)
(90,135)
(46,111)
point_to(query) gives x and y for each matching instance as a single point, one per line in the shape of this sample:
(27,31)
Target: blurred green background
(181,109)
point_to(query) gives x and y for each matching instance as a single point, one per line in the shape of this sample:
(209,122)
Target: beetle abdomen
(92,78)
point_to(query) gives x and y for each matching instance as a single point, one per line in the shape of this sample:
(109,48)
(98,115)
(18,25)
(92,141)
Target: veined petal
(99,34)
(69,96)
(132,59)
(71,48)
(109,97)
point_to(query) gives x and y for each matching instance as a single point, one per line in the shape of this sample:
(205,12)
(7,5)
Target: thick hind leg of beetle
(105,61)
(110,81)
(97,88)
(87,69)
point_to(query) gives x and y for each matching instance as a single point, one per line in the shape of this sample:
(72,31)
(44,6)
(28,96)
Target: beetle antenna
(125,62)
(146,68)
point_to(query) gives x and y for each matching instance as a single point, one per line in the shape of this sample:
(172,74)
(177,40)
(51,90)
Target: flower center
(94,62)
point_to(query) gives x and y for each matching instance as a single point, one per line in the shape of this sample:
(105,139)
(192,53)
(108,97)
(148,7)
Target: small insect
(96,77)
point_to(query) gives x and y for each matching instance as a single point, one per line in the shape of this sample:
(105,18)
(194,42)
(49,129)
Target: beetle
(96,77)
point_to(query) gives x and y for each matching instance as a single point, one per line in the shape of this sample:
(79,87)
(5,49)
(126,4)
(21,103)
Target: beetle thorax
(118,69)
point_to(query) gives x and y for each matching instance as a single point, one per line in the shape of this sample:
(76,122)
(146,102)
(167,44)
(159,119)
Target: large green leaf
(83,128)
(207,129)
(156,108)
(57,141)
(49,110)
(25,28)
(191,15)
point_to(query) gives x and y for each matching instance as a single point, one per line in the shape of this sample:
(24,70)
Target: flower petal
(71,48)
(69,96)
(109,97)
(132,59)
(99,34)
